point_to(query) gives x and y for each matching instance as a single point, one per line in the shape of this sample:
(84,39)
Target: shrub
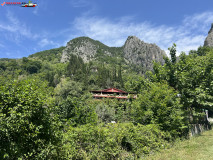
(28,128)
(158,104)
(112,141)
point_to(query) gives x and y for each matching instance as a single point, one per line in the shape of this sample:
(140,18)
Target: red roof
(102,96)
(111,90)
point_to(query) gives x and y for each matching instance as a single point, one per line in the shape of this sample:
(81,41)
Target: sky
(27,30)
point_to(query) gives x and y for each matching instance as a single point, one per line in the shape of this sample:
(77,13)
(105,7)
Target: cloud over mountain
(188,35)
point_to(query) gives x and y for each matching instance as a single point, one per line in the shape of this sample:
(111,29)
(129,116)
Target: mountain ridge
(134,51)
(82,46)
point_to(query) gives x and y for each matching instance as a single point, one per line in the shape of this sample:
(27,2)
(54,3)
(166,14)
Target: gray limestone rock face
(134,51)
(141,53)
(82,48)
(209,39)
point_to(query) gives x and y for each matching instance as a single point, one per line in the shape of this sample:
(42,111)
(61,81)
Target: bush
(112,141)
(158,104)
(28,127)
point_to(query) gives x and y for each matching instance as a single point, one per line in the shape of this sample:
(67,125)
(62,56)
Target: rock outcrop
(209,39)
(138,52)
(82,47)
(87,49)
(134,51)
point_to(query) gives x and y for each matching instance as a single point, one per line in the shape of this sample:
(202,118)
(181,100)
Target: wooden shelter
(112,93)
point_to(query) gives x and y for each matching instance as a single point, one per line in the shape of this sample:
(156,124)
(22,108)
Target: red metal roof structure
(110,90)
(111,93)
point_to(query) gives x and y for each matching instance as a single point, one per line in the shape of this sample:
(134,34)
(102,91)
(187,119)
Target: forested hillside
(47,111)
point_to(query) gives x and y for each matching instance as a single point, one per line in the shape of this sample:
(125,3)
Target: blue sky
(24,31)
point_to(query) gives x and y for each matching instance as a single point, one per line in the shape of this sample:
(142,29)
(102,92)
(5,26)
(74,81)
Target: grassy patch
(197,148)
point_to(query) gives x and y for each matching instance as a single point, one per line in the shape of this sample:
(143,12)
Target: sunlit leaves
(26,127)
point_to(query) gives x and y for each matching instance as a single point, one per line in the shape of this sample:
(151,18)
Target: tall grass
(197,148)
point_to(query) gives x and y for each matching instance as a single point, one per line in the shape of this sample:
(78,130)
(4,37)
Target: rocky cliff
(134,51)
(209,39)
(138,52)
(86,48)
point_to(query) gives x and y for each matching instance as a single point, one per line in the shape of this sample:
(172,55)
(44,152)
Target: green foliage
(192,76)
(135,83)
(173,53)
(106,113)
(158,104)
(48,55)
(202,51)
(27,127)
(67,87)
(75,111)
(112,141)
(2,66)
(52,73)
(31,120)
(72,105)
(195,77)
(31,66)
(109,110)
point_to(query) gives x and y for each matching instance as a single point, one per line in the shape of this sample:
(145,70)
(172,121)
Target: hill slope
(134,51)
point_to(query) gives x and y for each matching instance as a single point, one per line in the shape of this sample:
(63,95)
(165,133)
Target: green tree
(68,87)
(2,66)
(28,126)
(158,104)
(135,83)
(75,111)
(191,76)
(173,53)
(120,79)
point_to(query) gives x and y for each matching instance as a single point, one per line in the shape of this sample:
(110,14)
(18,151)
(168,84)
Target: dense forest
(47,110)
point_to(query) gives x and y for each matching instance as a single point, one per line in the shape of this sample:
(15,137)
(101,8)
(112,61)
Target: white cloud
(199,22)
(190,34)
(14,30)
(45,42)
